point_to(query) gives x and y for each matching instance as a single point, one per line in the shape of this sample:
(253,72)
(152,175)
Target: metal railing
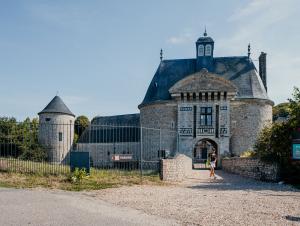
(45,147)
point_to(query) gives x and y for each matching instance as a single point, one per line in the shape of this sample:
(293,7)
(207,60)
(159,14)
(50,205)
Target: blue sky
(101,55)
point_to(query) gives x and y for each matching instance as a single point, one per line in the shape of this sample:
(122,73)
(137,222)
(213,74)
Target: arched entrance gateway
(201,152)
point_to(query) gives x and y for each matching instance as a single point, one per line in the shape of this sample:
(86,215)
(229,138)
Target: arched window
(200,50)
(207,50)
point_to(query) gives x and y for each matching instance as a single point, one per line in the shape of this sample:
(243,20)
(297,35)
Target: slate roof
(118,120)
(57,105)
(205,39)
(239,70)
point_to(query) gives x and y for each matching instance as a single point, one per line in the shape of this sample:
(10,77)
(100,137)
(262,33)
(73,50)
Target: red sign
(121,157)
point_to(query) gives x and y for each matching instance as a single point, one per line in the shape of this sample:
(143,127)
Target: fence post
(159,139)
(141,152)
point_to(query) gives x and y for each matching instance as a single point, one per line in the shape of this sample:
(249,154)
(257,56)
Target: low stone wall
(252,168)
(176,169)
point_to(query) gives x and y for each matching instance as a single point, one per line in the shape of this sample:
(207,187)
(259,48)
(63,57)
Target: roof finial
(161,54)
(249,49)
(205,34)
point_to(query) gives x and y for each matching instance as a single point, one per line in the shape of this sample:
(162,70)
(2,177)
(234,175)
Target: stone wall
(176,169)
(157,116)
(252,168)
(248,117)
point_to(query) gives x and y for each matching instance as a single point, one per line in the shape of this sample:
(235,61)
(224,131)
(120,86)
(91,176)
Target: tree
(294,108)
(274,143)
(20,139)
(281,110)
(81,123)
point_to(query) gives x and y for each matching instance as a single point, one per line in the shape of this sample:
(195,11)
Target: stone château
(215,103)
(205,103)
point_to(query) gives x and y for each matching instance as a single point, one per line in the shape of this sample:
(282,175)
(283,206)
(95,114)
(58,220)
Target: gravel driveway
(228,200)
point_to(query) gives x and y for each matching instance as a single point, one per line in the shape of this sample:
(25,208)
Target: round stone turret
(56,130)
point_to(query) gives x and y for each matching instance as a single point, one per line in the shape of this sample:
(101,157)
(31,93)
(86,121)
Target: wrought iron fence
(45,147)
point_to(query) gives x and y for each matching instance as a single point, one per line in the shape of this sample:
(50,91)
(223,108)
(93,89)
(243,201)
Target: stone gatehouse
(215,103)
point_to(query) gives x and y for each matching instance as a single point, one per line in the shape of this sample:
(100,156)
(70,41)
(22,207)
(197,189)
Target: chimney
(263,68)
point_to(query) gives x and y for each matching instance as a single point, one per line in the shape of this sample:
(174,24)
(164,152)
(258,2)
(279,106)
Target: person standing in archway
(213,160)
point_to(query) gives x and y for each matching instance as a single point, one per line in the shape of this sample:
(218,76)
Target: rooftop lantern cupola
(204,52)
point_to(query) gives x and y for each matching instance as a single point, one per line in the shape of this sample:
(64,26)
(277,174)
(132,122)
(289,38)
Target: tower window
(219,95)
(200,50)
(60,136)
(207,50)
(205,116)
(212,96)
(48,119)
(206,96)
(188,96)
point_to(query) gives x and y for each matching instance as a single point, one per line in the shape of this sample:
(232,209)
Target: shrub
(248,154)
(274,143)
(78,175)
(33,152)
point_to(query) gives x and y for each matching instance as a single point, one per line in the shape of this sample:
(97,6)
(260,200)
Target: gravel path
(228,200)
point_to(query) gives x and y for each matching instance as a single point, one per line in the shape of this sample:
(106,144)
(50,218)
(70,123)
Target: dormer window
(200,50)
(207,50)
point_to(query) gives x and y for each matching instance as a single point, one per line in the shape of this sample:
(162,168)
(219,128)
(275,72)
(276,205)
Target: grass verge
(98,179)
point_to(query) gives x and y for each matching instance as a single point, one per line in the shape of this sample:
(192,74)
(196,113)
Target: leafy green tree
(20,139)
(281,110)
(81,123)
(274,143)
(294,108)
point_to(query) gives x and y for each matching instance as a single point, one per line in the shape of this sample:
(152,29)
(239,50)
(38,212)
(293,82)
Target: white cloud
(253,7)
(180,39)
(283,73)
(256,22)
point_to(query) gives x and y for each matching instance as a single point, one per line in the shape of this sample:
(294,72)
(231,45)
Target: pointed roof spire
(57,105)
(161,54)
(205,33)
(249,50)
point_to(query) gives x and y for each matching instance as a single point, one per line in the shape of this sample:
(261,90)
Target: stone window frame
(206,116)
(60,136)
(208,50)
(200,50)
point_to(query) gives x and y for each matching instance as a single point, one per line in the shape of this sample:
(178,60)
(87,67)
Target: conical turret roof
(57,105)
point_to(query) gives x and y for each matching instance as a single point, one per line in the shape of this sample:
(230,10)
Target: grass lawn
(98,179)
